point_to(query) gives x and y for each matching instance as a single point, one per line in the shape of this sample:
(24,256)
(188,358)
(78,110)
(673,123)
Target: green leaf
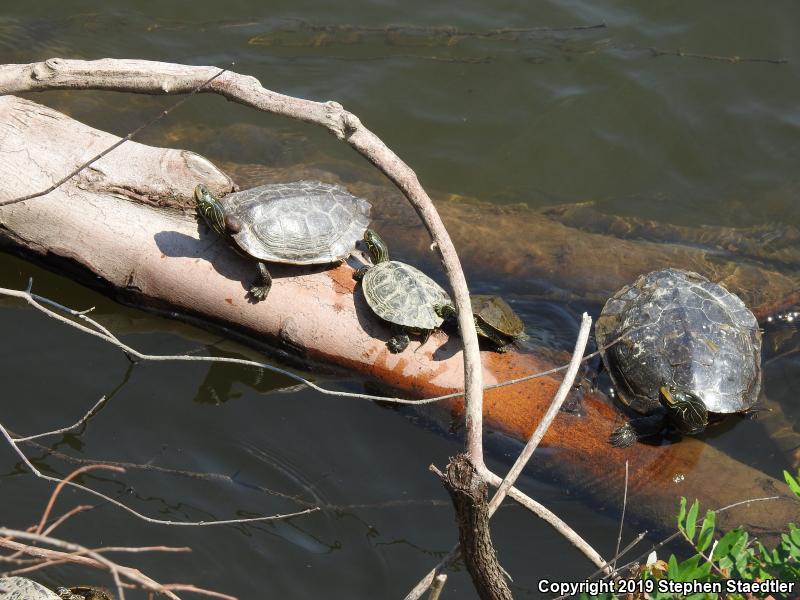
(793,483)
(725,563)
(794,534)
(740,545)
(682,513)
(673,570)
(727,542)
(691,520)
(706,531)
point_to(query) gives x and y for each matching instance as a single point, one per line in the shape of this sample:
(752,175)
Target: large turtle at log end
(401,294)
(688,348)
(300,223)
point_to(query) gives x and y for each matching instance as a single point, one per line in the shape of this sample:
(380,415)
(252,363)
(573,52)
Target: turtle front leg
(499,342)
(261,286)
(425,335)
(635,429)
(399,341)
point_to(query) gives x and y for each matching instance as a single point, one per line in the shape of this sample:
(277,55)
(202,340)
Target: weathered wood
(469,494)
(160,255)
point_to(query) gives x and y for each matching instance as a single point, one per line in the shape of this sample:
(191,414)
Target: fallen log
(544,254)
(122,225)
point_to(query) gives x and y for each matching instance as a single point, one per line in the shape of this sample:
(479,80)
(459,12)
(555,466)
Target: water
(534,117)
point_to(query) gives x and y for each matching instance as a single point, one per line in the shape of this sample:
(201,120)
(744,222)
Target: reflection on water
(647,117)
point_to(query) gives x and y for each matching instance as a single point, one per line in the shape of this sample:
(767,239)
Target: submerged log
(548,254)
(122,222)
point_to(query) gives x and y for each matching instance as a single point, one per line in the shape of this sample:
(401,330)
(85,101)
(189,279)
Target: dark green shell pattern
(404,295)
(684,332)
(305,222)
(497,314)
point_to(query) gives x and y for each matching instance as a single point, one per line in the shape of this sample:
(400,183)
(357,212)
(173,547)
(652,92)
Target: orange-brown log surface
(101,223)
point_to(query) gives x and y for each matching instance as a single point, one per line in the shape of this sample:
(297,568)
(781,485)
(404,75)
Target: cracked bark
(469,493)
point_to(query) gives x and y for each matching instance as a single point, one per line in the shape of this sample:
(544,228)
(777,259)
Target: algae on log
(117,222)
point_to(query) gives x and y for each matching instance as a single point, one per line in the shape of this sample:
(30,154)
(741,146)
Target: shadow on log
(120,224)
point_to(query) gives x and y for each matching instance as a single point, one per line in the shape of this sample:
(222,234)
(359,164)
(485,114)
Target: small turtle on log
(495,320)
(689,348)
(400,294)
(300,223)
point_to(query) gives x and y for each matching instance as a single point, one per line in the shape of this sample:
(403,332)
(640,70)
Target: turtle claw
(358,274)
(398,343)
(623,437)
(259,292)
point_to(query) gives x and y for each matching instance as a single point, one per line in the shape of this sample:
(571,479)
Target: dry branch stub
(469,493)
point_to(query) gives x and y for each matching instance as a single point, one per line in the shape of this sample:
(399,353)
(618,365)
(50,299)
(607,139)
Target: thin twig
(92,411)
(94,557)
(183,587)
(613,559)
(555,406)
(438,586)
(622,517)
(728,59)
(505,486)
(128,509)
(677,534)
(115,145)
(235,481)
(442,30)
(73,553)
(99,331)
(67,515)
(702,554)
(65,481)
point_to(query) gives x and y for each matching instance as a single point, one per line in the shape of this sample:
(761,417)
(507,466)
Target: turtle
(495,320)
(679,349)
(400,294)
(82,592)
(22,588)
(300,223)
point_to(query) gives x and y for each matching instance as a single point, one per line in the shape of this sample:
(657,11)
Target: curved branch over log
(166,78)
(96,224)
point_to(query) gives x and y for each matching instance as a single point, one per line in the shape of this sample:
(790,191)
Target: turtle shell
(404,295)
(497,314)
(22,588)
(683,331)
(301,223)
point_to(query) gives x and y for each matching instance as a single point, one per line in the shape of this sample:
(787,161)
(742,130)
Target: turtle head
(210,208)
(378,252)
(687,411)
(446,311)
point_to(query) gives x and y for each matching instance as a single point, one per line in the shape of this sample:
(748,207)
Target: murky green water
(609,114)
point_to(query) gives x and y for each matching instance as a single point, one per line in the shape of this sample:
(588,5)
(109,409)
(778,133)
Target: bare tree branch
(165,78)
(505,486)
(97,330)
(128,509)
(89,414)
